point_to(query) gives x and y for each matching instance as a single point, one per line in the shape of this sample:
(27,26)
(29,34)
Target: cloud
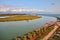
(26,10)
(8,9)
(3,9)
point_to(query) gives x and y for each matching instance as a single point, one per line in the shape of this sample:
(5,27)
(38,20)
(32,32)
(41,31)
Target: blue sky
(48,5)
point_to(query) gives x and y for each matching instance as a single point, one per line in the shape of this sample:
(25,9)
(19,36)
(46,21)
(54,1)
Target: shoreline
(39,33)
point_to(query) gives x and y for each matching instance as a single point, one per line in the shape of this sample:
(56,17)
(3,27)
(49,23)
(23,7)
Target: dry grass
(18,17)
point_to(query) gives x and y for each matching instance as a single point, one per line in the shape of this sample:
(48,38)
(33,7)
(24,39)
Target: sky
(30,5)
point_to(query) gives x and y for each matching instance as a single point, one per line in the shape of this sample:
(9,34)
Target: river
(12,29)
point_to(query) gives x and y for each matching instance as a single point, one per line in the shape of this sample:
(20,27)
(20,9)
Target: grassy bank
(16,17)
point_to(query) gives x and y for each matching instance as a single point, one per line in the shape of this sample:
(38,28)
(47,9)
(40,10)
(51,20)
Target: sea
(53,15)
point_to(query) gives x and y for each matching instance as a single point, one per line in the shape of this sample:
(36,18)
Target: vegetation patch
(16,17)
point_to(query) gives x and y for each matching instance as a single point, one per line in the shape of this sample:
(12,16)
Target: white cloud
(6,9)
(3,9)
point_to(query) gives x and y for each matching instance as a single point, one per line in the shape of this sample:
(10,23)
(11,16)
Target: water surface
(12,29)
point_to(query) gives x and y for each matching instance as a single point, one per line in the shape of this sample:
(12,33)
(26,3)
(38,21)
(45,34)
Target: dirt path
(51,33)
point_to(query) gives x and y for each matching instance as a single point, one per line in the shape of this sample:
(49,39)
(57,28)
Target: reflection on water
(9,30)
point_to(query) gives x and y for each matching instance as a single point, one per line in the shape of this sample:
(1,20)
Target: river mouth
(9,30)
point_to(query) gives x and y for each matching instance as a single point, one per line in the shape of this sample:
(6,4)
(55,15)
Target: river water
(12,29)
